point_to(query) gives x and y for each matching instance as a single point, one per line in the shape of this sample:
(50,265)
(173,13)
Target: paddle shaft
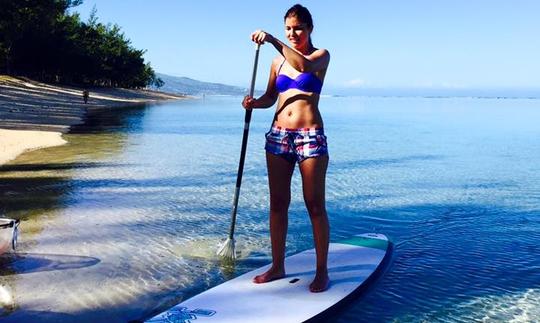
(247,120)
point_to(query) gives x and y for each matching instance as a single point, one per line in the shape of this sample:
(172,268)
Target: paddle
(227,250)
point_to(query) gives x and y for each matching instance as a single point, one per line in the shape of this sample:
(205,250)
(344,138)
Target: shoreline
(34,115)
(16,142)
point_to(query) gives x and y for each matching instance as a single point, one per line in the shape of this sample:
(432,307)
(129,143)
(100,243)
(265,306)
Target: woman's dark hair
(300,12)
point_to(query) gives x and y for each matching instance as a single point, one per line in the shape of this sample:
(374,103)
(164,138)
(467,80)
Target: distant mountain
(185,85)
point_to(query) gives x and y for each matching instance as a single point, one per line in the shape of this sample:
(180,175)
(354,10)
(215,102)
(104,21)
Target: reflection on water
(41,183)
(124,220)
(129,120)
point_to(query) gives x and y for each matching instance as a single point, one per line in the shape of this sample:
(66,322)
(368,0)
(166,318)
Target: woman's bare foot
(270,275)
(320,283)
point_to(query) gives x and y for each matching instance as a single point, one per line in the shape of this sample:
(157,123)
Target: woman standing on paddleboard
(296,135)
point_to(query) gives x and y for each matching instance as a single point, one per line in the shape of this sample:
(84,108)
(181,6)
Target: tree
(40,39)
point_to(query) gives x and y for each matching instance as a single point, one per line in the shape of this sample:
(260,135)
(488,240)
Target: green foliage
(41,39)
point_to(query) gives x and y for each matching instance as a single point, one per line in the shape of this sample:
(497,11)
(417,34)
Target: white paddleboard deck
(350,264)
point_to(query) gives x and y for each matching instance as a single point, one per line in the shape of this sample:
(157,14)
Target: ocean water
(124,221)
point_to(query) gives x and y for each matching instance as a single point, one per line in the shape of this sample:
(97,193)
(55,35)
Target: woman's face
(297,33)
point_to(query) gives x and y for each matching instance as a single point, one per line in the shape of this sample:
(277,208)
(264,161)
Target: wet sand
(34,115)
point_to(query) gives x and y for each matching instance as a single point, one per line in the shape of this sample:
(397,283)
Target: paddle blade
(227,250)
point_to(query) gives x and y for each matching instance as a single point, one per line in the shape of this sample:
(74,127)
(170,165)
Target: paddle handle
(247,120)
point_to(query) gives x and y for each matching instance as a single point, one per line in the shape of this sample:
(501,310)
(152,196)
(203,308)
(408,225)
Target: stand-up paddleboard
(350,265)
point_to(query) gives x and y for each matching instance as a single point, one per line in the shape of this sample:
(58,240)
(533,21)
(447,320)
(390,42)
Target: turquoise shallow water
(123,221)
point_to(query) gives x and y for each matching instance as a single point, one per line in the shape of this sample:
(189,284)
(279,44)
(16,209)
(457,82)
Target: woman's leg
(313,172)
(280,172)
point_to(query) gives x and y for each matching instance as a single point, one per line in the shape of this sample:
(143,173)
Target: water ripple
(124,221)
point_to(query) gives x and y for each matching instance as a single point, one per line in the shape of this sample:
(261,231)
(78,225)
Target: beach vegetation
(45,40)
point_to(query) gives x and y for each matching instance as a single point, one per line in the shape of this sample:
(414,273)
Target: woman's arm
(314,62)
(269,97)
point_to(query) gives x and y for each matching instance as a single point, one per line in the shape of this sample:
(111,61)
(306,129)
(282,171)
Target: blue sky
(373,44)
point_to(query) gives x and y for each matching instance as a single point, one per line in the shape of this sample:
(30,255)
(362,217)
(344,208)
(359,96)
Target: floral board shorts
(296,145)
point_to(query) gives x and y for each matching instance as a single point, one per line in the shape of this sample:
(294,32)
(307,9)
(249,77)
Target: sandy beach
(15,142)
(34,115)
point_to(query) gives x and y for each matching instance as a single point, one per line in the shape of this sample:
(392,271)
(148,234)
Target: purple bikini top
(307,82)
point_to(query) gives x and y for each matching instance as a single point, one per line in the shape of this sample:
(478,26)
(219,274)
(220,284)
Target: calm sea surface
(124,220)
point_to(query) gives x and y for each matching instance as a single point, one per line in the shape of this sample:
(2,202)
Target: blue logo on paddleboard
(181,315)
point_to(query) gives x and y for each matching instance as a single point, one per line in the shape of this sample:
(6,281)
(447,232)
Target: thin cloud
(356,83)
